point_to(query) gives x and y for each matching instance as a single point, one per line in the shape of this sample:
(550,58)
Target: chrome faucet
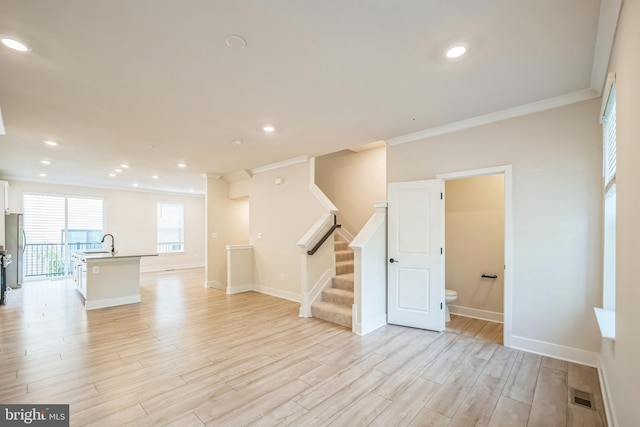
(113,241)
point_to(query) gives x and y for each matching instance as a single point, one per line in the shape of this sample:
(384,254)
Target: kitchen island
(107,279)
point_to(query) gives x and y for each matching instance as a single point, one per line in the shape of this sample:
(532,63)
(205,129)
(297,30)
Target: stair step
(334,313)
(344,267)
(338,296)
(343,281)
(340,245)
(344,255)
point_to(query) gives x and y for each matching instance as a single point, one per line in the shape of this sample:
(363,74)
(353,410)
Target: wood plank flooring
(192,356)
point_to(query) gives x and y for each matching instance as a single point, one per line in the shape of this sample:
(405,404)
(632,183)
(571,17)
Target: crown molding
(278,165)
(509,113)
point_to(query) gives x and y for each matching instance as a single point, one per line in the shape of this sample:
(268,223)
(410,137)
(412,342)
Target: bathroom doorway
(478,244)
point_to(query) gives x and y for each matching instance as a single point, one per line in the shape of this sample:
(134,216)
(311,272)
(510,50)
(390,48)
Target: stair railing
(325,237)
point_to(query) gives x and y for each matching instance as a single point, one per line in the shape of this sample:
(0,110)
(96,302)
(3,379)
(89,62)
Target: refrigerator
(14,244)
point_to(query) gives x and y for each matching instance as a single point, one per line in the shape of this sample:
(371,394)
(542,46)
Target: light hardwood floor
(192,356)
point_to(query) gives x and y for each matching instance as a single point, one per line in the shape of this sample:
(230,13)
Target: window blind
(609,130)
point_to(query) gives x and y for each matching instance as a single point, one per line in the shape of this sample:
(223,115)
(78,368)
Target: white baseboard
(570,354)
(370,326)
(609,410)
(215,284)
(111,302)
(238,289)
(491,316)
(291,296)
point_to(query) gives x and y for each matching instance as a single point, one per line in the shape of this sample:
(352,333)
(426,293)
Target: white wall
(279,216)
(227,224)
(620,360)
(557,164)
(131,217)
(353,182)
(474,244)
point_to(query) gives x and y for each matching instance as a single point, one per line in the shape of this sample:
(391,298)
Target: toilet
(449,297)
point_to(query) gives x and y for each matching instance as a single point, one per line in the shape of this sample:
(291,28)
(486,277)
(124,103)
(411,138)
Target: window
(609,173)
(55,225)
(170,227)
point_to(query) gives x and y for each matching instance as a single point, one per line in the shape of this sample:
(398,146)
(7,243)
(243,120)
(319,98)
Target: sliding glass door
(56,225)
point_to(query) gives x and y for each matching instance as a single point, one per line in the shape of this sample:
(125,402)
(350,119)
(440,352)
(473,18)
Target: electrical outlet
(259,235)
(282,276)
(96,269)
(214,235)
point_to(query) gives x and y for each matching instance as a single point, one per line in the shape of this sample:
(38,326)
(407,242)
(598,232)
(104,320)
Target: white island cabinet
(107,279)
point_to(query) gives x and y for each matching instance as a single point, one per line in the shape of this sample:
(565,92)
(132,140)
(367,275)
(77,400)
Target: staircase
(336,302)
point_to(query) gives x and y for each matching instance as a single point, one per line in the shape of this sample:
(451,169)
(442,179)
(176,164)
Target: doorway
(54,226)
(484,288)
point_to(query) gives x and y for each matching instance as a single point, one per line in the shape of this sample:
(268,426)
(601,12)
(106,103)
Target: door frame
(505,170)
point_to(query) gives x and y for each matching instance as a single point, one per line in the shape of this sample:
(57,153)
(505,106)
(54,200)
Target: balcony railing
(48,259)
(170,247)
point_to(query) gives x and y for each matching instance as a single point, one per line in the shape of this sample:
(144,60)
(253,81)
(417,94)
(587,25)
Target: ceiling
(151,83)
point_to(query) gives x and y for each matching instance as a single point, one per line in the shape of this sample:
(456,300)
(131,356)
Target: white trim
(509,113)
(491,316)
(312,296)
(611,80)
(320,227)
(238,247)
(570,354)
(508,237)
(371,325)
(2,130)
(606,322)
(322,198)
(215,284)
(288,295)
(103,187)
(607,24)
(111,302)
(368,146)
(278,165)
(605,391)
(345,234)
(238,289)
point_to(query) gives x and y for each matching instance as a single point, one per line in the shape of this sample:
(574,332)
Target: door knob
(393,260)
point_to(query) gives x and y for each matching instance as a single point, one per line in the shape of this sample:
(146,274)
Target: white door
(416,262)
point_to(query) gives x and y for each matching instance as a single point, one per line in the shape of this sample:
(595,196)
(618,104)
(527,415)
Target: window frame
(181,243)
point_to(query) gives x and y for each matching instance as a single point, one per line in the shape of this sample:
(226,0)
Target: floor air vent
(582,398)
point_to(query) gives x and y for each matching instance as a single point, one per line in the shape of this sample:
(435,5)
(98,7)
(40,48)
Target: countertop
(109,255)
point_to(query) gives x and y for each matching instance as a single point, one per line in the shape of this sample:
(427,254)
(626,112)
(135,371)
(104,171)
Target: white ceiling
(109,80)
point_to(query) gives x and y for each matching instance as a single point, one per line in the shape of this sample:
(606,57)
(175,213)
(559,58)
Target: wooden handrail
(325,237)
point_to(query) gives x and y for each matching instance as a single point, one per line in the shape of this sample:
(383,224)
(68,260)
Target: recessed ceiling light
(456,51)
(155,176)
(117,170)
(191,190)
(112,175)
(236,42)
(45,162)
(124,166)
(236,142)
(15,44)
(182,165)
(135,184)
(268,128)
(51,143)
(42,174)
